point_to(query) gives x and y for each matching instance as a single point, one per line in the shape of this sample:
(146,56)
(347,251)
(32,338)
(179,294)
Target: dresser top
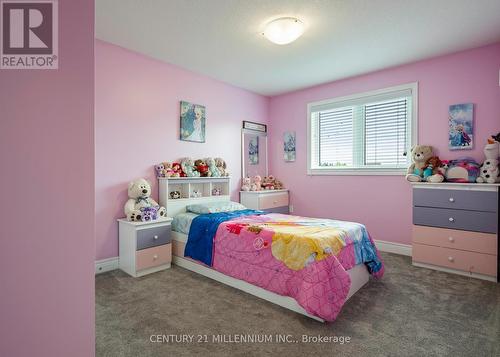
(265,191)
(458,186)
(137,224)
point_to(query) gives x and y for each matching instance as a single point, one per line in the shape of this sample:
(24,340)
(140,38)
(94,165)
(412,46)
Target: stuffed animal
(432,171)
(196,193)
(188,167)
(175,195)
(216,191)
(462,170)
(139,192)
(419,155)
(169,171)
(256,183)
(489,171)
(268,183)
(202,168)
(212,167)
(221,166)
(278,185)
(246,184)
(149,214)
(160,170)
(176,167)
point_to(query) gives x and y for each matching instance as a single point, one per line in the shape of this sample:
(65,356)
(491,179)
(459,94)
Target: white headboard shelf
(192,190)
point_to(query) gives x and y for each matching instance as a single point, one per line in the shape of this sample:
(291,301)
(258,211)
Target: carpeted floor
(411,312)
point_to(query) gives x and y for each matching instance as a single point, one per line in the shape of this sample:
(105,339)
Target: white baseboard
(391,247)
(102,266)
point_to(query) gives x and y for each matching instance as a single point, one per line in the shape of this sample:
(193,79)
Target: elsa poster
(461,130)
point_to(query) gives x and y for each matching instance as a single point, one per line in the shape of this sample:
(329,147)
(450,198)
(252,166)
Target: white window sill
(356,172)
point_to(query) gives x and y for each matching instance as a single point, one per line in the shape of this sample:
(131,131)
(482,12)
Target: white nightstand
(272,201)
(145,247)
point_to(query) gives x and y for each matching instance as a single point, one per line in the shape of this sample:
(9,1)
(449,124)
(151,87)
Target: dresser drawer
(456,199)
(152,257)
(152,237)
(456,239)
(455,259)
(271,200)
(456,219)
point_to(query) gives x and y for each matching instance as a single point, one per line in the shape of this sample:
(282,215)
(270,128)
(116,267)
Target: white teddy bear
(139,192)
(489,171)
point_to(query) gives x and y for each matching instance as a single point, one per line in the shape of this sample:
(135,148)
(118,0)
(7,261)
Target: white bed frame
(359,274)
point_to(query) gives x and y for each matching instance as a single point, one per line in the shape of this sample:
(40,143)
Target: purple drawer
(456,199)
(456,219)
(282,209)
(153,237)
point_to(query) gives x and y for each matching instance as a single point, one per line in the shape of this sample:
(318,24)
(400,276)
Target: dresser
(455,228)
(145,247)
(271,201)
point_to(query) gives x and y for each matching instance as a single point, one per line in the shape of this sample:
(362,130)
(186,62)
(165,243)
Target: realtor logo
(29,38)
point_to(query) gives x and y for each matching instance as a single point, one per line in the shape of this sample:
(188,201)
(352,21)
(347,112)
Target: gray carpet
(411,311)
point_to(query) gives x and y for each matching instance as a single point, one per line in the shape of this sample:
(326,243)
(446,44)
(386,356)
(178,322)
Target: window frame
(413,131)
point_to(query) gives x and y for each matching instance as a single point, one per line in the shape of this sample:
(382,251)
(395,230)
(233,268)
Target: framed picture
(254,126)
(193,122)
(289,146)
(461,126)
(253,150)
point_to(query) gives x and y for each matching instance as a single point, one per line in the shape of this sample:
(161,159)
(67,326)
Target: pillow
(214,207)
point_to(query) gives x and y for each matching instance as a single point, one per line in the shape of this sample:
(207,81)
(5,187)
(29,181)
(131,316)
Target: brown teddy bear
(419,156)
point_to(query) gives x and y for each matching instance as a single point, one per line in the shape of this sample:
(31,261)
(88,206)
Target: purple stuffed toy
(160,170)
(149,214)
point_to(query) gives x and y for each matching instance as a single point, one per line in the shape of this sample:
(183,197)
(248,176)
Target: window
(364,134)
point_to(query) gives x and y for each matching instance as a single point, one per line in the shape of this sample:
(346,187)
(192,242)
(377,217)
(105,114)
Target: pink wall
(383,203)
(137,126)
(47,241)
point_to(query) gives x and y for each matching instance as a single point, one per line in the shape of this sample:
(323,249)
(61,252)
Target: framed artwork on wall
(289,147)
(253,150)
(254,126)
(461,126)
(193,122)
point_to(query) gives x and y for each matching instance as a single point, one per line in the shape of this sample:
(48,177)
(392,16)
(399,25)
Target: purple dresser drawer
(456,199)
(152,237)
(456,219)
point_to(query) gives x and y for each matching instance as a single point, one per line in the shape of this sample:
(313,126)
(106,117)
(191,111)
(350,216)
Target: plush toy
(212,167)
(256,183)
(196,193)
(176,167)
(278,185)
(169,171)
(202,168)
(139,192)
(149,214)
(188,167)
(432,171)
(489,171)
(221,166)
(419,155)
(160,170)
(462,170)
(216,191)
(268,183)
(246,184)
(175,195)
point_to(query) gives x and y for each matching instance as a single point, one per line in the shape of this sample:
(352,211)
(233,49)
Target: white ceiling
(343,38)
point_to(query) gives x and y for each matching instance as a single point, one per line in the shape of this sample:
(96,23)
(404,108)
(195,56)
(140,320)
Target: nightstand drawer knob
(155,256)
(155,237)
(451,219)
(275,202)
(452,199)
(451,239)
(451,259)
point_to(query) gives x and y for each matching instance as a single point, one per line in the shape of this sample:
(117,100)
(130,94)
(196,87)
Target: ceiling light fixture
(284,30)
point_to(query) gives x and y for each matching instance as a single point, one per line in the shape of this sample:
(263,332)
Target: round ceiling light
(284,30)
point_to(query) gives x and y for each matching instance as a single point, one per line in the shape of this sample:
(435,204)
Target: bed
(255,252)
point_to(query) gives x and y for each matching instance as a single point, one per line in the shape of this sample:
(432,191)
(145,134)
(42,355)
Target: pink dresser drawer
(152,257)
(272,200)
(456,259)
(456,239)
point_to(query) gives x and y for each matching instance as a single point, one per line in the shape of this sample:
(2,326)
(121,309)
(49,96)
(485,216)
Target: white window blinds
(365,132)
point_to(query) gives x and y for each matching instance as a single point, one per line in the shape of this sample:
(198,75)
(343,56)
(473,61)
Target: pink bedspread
(321,287)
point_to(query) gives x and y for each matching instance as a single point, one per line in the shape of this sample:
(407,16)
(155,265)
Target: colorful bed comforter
(304,258)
